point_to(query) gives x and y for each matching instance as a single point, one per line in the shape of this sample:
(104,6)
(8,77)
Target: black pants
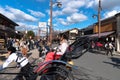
(27,72)
(109,51)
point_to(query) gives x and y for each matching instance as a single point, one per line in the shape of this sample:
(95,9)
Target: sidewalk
(115,53)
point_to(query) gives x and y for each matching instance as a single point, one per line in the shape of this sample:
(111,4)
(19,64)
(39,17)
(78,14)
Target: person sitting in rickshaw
(60,50)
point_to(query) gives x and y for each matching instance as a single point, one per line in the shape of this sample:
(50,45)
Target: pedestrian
(92,45)
(24,49)
(22,62)
(109,48)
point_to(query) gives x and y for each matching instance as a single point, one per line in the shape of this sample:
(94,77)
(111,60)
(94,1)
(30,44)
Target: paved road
(91,66)
(95,66)
(99,67)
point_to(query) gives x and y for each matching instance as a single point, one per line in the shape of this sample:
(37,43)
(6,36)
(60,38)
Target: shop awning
(102,34)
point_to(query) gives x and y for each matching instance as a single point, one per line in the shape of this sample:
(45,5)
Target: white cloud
(69,10)
(75,4)
(76,17)
(16,14)
(68,7)
(36,13)
(89,3)
(110,13)
(110,5)
(24,26)
(20,18)
(57,13)
(105,4)
(7,13)
(63,22)
(73,10)
(72,6)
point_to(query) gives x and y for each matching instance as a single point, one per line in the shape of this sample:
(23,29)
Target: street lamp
(98,17)
(51,9)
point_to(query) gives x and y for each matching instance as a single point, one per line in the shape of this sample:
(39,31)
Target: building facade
(118,31)
(109,30)
(72,34)
(7,29)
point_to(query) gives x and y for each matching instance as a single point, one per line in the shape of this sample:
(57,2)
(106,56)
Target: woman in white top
(60,49)
(21,62)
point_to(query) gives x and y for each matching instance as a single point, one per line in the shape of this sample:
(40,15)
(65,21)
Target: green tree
(30,33)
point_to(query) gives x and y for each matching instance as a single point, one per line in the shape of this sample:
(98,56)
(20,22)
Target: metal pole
(51,7)
(99,22)
(38,32)
(47,33)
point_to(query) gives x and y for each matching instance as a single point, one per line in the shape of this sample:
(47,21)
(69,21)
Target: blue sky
(72,14)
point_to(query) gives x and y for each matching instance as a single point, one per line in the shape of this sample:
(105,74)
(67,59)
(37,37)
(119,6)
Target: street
(99,67)
(91,66)
(39,26)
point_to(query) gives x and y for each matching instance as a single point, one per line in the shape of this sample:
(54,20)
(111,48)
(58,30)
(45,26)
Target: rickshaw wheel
(57,72)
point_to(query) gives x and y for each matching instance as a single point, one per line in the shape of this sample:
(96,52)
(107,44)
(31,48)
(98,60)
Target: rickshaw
(61,69)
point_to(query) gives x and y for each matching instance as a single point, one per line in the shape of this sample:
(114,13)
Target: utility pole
(38,35)
(99,17)
(50,28)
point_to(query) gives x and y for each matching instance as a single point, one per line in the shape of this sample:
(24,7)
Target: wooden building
(111,27)
(72,34)
(109,30)
(7,29)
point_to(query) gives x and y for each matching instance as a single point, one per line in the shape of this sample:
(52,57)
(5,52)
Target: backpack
(19,57)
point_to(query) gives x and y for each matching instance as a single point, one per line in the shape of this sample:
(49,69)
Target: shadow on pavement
(115,62)
(85,74)
(97,52)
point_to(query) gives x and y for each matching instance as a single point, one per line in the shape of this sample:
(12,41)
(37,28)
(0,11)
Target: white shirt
(110,46)
(13,57)
(62,48)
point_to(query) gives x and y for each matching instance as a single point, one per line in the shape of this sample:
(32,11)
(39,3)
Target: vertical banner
(42,28)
